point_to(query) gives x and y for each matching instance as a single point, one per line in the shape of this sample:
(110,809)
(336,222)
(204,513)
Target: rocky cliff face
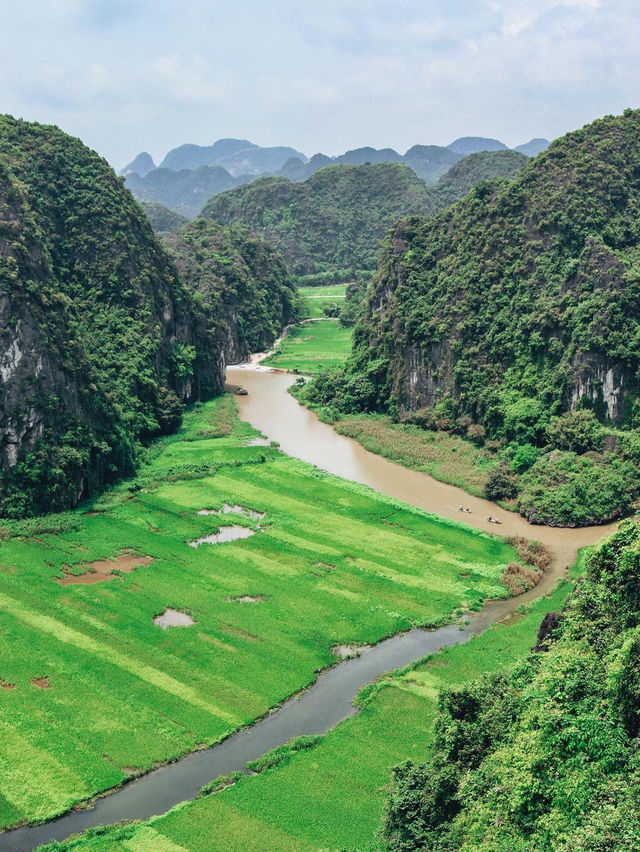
(524,294)
(97,334)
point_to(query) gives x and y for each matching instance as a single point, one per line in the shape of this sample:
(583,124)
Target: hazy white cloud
(127,75)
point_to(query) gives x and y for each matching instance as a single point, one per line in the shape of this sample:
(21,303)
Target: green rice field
(317,297)
(332,796)
(94,692)
(312,346)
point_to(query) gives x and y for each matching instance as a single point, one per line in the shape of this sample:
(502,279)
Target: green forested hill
(472,170)
(513,306)
(240,283)
(100,340)
(333,220)
(544,757)
(97,341)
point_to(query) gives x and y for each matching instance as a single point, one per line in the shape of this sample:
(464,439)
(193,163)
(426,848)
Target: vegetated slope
(472,170)
(509,309)
(333,220)
(97,339)
(545,757)
(241,284)
(186,191)
(163,221)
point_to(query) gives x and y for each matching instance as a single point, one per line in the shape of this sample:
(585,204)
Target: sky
(147,75)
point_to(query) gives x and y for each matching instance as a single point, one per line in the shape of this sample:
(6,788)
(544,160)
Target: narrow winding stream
(271,409)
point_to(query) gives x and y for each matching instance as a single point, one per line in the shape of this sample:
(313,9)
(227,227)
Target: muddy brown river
(270,408)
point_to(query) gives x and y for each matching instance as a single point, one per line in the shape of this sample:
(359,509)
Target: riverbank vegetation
(94,692)
(544,756)
(510,319)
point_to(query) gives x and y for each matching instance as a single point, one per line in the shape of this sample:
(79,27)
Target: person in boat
(490,519)
(461,508)
(467,509)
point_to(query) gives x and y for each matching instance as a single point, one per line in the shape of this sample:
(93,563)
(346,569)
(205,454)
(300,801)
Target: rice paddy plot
(318,297)
(312,346)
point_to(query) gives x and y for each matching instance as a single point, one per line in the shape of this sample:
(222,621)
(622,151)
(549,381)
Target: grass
(317,297)
(126,695)
(447,458)
(312,346)
(331,796)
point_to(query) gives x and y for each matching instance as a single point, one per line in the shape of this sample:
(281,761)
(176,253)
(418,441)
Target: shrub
(577,431)
(502,483)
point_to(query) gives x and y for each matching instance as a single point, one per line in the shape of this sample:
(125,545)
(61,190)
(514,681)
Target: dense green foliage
(472,170)
(329,227)
(331,562)
(242,290)
(92,317)
(333,220)
(523,300)
(544,757)
(163,221)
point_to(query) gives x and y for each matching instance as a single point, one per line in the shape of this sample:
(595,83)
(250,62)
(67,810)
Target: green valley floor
(93,691)
(332,796)
(312,346)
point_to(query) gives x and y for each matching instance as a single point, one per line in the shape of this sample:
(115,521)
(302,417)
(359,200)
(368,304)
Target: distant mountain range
(190,175)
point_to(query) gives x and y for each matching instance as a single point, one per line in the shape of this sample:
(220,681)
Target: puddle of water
(173,618)
(228,509)
(250,599)
(225,534)
(98,572)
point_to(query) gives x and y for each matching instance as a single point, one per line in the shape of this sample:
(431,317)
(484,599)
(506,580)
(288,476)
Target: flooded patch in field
(346,652)
(224,534)
(228,509)
(173,618)
(98,572)
(41,682)
(4,684)
(250,599)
